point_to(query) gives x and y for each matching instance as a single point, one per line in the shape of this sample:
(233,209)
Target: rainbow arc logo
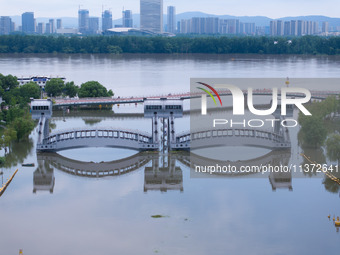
(209,93)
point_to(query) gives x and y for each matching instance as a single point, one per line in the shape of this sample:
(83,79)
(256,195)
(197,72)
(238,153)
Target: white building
(40,80)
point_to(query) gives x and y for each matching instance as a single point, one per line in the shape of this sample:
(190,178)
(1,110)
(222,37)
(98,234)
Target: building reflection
(281,180)
(43,177)
(161,172)
(163,175)
(96,170)
(276,158)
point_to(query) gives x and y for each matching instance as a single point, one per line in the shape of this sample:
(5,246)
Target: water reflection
(18,152)
(162,174)
(96,170)
(43,177)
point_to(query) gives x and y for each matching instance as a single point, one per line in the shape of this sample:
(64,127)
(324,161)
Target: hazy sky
(269,8)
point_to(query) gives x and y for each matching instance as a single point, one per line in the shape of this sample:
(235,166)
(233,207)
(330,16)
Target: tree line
(57,87)
(16,121)
(170,45)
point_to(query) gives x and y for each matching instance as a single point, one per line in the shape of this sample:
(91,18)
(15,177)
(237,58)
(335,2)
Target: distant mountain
(71,22)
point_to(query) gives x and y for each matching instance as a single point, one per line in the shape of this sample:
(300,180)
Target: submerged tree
(333,147)
(313,133)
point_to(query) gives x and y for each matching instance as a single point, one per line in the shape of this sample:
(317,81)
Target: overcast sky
(269,8)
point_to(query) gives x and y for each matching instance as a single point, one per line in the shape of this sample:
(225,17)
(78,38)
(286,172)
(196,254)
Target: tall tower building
(325,27)
(83,21)
(47,28)
(106,20)
(127,19)
(59,24)
(93,25)
(287,28)
(171,19)
(280,28)
(52,27)
(28,22)
(300,28)
(273,27)
(151,15)
(5,25)
(293,27)
(40,28)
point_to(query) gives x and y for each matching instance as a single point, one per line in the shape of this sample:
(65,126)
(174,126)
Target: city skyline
(270,9)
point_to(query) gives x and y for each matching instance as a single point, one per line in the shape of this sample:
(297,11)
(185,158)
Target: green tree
(93,89)
(333,147)
(8,82)
(313,133)
(23,126)
(12,113)
(54,87)
(114,49)
(71,90)
(9,135)
(29,90)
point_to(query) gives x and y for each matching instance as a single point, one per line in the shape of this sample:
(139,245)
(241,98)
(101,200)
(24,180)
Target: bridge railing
(213,133)
(184,95)
(98,133)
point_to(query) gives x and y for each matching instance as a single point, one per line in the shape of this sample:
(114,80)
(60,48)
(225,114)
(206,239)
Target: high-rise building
(300,27)
(273,27)
(28,22)
(52,27)
(40,28)
(233,26)
(195,26)
(106,20)
(93,25)
(127,19)
(185,26)
(151,15)
(59,24)
(47,28)
(5,25)
(293,27)
(286,29)
(247,28)
(315,27)
(83,21)
(325,27)
(171,19)
(280,28)
(211,26)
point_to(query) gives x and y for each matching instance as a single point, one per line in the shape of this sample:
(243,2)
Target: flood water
(66,204)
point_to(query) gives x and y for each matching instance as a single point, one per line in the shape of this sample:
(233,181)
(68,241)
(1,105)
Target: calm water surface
(49,210)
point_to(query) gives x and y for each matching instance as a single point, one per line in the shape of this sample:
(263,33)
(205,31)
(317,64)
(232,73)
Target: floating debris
(158,216)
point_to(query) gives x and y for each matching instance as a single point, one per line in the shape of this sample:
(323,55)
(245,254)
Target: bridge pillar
(41,109)
(246,100)
(155,129)
(172,131)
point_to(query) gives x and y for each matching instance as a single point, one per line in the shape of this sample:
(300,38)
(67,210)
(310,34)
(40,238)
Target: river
(52,209)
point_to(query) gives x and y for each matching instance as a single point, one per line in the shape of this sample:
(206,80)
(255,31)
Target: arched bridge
(232,137)
(97,137)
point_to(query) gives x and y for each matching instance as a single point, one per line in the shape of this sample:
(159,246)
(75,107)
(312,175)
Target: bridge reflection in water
(161,172)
